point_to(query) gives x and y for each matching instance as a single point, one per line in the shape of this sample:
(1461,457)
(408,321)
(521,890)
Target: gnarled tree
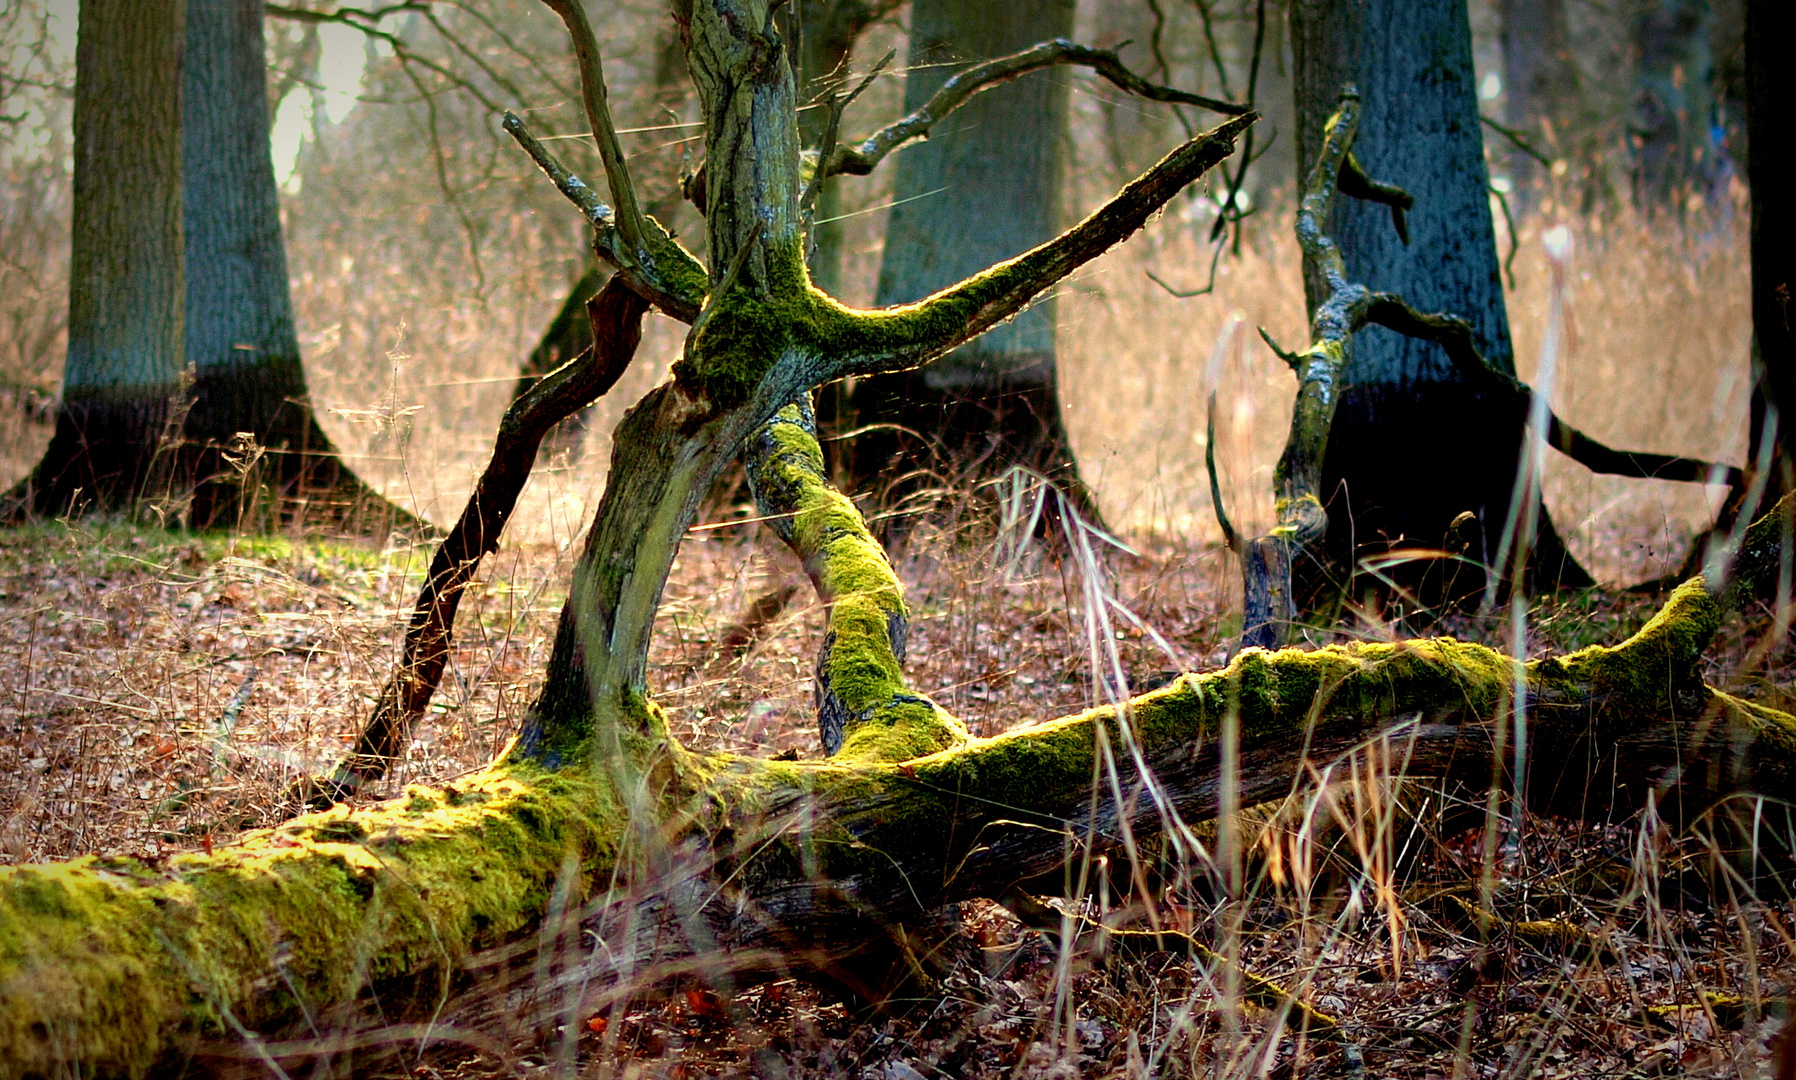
(724,867)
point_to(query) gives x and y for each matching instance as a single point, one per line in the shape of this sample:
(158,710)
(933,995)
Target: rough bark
(123,375)
(240,336)
(1403,401)
(984,187)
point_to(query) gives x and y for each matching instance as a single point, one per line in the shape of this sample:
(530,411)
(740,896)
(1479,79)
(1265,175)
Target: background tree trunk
(1413,445)
(985,187)
(240,339)
(1770,94)
(1540,80)
(125,275)
(1669,127)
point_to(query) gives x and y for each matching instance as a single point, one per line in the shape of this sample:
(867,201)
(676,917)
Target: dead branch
(864,156)
(1455,336)
(616,315)
(630,225)
(675,282)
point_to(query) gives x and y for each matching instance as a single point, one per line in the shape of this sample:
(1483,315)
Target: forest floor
(165,687)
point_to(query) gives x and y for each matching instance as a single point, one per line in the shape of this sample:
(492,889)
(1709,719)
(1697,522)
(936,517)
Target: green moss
(108,963)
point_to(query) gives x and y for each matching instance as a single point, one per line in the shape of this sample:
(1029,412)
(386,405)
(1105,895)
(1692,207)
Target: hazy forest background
(169,684)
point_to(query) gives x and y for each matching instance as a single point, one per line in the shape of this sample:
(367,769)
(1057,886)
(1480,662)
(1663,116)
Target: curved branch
(864,156)
(1455,336)
(868,343)
(616,314)
(1297,480)
(865,709)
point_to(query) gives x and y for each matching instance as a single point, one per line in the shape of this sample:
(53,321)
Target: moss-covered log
(762,864)
(644,860)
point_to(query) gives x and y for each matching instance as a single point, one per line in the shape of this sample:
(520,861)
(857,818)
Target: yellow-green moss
(107,962)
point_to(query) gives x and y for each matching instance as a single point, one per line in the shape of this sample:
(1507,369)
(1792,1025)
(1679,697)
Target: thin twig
(863,157)
(838,103)
(1515,139)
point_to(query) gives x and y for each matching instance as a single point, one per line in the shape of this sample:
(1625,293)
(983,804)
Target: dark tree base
(1431,471)
(103,456)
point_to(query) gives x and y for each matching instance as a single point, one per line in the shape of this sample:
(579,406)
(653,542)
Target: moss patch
(108,962)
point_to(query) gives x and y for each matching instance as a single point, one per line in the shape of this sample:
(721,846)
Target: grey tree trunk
(125,310)
(1669,127)
(241,342)
(985,187)
(1413,445)
(1540,78)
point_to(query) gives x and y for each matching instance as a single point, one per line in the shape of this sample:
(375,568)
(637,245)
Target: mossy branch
(1297,479)
(865,709)
(863,157)
(673,280)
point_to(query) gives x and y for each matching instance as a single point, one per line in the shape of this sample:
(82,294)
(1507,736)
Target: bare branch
(616,315)
(367,22)
(604,132)
(861,158)
(676,283)
(825,149)
(1454,335)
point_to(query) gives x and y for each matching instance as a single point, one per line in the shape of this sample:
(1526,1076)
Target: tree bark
(123,375)
(984,187)
(240,338)
(1412,64)
(1770,89)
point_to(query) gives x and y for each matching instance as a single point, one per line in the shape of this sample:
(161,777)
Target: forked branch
(1454,335)
(674,280)
(863,157)
(898,338)
(598,112)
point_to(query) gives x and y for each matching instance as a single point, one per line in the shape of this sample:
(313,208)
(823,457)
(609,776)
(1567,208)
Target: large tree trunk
(986,186)
(241,342)
(125,276)
(1403,402)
